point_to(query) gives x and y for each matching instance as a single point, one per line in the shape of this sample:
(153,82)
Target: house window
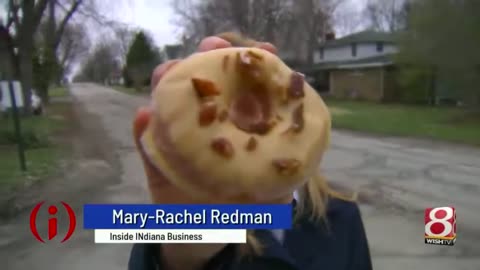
(379,46)
(354,49)
(321,53)
(357,73)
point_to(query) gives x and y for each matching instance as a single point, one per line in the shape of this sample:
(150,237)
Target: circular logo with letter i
(52,223)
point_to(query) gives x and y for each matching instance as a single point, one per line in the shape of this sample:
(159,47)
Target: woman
(328,233)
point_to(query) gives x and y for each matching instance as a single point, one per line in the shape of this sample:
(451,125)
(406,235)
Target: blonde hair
(311,203)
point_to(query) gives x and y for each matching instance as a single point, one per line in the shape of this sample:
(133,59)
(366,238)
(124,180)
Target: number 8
(447,226)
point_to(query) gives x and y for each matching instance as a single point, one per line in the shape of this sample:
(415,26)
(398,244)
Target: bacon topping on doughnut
(244,59)
(261,128)
(250,112)
(255,55)
(225,62)
(295,90)
(248,63)
(286,166)
(223,116)
(298,121)
(223,147)
(208,113)
(251,144)
(205,88)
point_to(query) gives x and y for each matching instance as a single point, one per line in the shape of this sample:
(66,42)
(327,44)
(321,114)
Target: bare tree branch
(38,13)
(9,46)
(386,15)
(88,10)
(276,21)
(74,46)
(13,15)
(61,28)
(185,9)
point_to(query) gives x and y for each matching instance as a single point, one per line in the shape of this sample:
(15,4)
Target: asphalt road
(397,179)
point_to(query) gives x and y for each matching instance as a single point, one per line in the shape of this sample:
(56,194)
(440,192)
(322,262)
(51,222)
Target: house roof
(374,61)
(173,50)
(361,37)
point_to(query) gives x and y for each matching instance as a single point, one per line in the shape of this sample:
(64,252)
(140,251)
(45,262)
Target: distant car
(5,99)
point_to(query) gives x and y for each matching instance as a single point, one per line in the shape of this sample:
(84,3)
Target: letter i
(52,222)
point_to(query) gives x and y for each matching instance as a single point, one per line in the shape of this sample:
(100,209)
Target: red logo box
(52,222)
(440,226)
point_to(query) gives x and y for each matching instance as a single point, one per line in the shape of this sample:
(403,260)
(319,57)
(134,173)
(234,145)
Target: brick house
(357,66)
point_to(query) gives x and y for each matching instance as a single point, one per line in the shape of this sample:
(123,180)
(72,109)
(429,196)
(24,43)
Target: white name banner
(120,236)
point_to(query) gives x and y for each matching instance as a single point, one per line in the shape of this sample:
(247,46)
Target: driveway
(396,178)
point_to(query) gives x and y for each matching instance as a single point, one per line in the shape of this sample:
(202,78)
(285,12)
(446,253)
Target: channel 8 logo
(440,226)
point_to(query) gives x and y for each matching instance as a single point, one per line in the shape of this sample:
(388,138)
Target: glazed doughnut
(236,123)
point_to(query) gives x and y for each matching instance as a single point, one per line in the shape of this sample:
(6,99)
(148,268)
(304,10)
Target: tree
(347,20)
(7,61)
(442,42)
(387,15)
(23,20)
(49,68)
(256,19)
(125,36)
(276,21)
(74,45)
(101,63)
(142,58)
(315,17)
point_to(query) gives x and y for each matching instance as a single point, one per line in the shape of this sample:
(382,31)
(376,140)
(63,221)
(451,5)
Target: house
(173,51)
(115,78)
(357,66)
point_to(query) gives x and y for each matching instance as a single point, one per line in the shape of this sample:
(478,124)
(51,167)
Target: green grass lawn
(35,129)
(442,123)
(127,90)
(40,162)
(58,92)
(42,152)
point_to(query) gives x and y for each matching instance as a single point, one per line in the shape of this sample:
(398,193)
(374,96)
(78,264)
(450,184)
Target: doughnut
(236,123)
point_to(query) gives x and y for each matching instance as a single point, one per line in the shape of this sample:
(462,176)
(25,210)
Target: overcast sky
(156,17)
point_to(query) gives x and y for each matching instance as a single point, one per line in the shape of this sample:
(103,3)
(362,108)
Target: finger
(267,46)
(140,123)
(160,70)
(142,118)
(212,43)
(207,44)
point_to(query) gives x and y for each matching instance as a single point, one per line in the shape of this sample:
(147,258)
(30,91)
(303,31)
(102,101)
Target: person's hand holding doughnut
(233,124)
